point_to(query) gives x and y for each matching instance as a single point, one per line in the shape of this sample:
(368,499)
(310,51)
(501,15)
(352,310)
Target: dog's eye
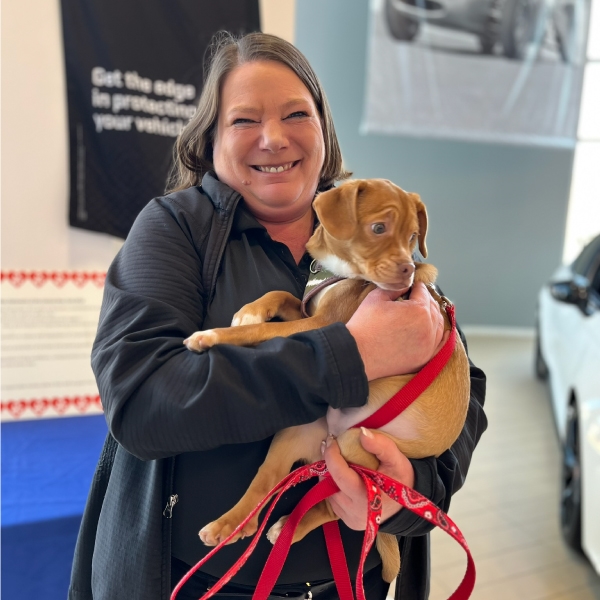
(378,228)
(412,237)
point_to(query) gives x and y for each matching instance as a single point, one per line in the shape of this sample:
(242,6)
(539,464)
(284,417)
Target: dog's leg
(288,446)
(387,546)
(318,515)
(425,273)
(338,304)
(272,305)
(322,513)
(251,335)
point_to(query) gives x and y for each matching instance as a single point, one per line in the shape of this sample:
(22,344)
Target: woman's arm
(395,338)
(159,398)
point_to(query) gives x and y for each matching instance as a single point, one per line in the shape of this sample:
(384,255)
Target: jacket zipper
(165,592)
(173,500)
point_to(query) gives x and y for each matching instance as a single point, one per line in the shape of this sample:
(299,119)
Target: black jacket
(171,277)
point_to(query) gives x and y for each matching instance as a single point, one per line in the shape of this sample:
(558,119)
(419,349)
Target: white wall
(279,18)
(35,231)
(497,212)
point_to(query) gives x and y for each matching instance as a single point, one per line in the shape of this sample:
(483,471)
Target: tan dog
(368,232)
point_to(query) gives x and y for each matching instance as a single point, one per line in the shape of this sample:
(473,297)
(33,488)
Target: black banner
(134,73)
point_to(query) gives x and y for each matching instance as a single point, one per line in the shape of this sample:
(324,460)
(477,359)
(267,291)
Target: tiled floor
(508,509)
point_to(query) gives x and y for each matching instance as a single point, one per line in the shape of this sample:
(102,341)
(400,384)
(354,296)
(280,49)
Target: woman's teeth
(279,169)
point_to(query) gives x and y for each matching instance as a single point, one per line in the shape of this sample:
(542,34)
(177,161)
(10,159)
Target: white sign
(49,321)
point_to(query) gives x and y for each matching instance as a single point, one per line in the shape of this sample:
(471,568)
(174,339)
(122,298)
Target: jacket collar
(220,194)
(226,199)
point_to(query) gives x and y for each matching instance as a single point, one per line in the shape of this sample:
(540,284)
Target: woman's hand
(350,503)
(395,338)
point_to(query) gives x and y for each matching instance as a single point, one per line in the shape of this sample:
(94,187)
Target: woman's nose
(273,136)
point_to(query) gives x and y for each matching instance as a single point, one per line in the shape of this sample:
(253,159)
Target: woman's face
(269,143)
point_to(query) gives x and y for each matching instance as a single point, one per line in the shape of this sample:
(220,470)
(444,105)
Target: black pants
(196,587)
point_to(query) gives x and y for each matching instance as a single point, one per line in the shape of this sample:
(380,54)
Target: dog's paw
(214,533)
(217,531)
(201,340)
(275,531)
(249,316)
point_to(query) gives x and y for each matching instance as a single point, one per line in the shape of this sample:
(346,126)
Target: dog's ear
(422,216)
(336,210)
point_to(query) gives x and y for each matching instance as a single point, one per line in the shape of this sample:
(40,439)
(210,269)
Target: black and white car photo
(509,25)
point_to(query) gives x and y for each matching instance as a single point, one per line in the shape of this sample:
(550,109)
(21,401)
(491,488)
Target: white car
(568,355)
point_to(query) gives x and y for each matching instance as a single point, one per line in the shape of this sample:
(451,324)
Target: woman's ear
(422,217)
(336,210)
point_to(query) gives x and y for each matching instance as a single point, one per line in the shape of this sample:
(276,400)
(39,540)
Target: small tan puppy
(368,232)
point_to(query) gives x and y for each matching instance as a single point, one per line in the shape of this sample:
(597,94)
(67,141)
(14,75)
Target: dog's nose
(406,269)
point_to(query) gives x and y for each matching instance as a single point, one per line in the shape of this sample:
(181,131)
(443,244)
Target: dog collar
(318,279)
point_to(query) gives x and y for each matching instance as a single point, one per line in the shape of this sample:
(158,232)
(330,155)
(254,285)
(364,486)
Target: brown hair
(193,150)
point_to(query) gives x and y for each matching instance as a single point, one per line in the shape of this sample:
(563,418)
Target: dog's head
(369,229)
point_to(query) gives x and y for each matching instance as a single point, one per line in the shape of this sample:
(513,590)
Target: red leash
(405,396)
(374,483)
(386,413)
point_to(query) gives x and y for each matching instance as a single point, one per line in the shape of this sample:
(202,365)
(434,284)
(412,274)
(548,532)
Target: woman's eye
(378,228)
(242,121)
(298,113)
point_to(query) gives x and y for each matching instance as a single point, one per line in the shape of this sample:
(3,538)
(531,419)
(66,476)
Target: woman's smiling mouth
(275,168)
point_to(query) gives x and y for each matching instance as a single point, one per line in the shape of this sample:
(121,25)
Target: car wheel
(564,29)
(400,26)
(540,366)
(518,27)
(491,28)
(570,501)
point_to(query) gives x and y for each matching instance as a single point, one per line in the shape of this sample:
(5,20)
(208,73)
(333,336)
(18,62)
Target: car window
(596,282)
(589,259)
(594,293)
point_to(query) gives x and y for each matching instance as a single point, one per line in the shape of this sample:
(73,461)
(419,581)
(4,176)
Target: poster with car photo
(484,70)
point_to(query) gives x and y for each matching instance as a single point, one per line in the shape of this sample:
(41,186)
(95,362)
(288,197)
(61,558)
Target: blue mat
(36,559)
(47,468)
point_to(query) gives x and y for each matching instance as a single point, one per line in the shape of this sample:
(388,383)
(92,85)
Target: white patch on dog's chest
(338,266)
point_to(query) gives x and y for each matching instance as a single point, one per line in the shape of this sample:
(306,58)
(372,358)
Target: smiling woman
(188,431)
(269,144)
(195,145)
(263,124)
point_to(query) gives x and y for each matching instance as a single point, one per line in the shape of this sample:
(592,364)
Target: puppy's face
(369,229)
